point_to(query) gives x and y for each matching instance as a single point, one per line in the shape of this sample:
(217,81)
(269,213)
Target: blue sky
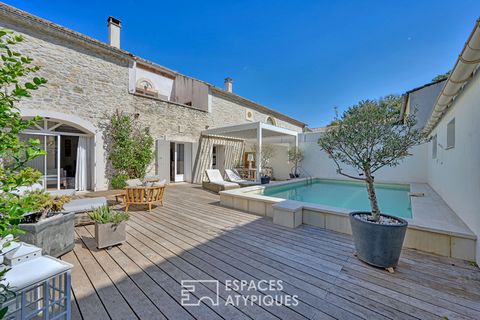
(302,58)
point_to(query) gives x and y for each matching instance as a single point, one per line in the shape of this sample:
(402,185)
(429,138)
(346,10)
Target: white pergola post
(259,152)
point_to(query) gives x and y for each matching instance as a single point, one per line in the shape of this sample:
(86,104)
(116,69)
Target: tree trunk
(372,196)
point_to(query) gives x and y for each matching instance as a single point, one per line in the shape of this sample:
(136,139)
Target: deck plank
(137,300)
(211,266)
(89,304)
(263,264)
(114,303)
(192,237)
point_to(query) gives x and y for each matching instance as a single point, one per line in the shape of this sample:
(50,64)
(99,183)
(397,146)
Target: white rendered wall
(162,84)
(279,163)
(318,164)
(455,174)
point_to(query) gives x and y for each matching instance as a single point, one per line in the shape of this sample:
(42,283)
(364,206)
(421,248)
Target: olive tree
(295,156)
(369,136)
(266,154)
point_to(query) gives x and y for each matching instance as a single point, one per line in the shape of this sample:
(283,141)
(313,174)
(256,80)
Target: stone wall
(227,112)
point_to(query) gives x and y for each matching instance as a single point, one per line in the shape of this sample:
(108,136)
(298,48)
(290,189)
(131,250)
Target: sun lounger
(232,176)
(216,183)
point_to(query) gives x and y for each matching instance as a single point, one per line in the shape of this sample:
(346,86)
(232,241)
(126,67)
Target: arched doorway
(68,162)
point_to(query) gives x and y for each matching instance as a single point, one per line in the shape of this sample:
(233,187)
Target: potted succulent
(267,153)
(295,156)
(46,225)
(109,226)
(368,137)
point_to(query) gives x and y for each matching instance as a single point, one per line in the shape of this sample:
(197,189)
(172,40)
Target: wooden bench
(143,195)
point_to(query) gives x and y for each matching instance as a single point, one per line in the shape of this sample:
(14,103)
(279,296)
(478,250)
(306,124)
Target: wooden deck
(192,237)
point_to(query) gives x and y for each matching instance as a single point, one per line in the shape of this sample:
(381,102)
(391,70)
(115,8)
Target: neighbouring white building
(449,111)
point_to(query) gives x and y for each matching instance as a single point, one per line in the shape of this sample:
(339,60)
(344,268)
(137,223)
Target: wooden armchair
(143,195)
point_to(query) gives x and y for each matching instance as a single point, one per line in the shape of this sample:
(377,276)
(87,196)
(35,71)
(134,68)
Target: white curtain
(234,149)
(81,172)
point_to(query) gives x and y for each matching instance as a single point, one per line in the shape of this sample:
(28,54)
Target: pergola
(257,132)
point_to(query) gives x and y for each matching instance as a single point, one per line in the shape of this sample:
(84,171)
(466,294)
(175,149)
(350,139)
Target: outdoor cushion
(234,177)
(134,183)
(62,192)
(216,181)
(214,175)
(159,183)
(86,204)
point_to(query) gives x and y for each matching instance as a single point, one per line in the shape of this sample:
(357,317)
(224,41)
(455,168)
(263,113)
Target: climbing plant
(131,149)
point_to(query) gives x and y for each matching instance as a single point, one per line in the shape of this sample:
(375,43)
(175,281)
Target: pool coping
(430,215)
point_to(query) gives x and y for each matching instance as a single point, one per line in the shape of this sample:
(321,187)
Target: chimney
(229,84)
(114,26)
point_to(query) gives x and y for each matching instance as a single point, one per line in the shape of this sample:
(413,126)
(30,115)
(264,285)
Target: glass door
(48,164)
(38,163)
(179,162)
(52,176)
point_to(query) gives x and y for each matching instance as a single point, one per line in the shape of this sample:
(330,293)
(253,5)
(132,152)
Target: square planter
(109,234)
(55,235)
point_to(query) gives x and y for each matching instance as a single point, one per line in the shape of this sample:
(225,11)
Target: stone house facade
(89,80)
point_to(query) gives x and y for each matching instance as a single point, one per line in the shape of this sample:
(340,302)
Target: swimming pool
(393,199)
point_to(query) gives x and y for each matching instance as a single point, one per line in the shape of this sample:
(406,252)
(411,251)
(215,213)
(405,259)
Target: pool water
(393,199)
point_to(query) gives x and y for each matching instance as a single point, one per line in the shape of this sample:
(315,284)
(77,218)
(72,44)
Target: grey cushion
(159,183)
(62,192)
(83,205)
(134,183)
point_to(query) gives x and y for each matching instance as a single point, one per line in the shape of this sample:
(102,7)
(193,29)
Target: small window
(271,121)
(434,147)
(146,87)
(451,134)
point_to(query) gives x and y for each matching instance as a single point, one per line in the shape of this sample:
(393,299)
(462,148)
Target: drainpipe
(462,72)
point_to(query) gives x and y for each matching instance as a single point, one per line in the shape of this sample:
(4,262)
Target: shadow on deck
(193,238)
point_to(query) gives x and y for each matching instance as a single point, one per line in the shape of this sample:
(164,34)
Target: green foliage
(6,294)
(15,68)
(442,76)
(119,181)
(370,136)
(43,203)
(131,148)
(104,215)
(295,156)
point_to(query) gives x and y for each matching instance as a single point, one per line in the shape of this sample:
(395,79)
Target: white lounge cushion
(234,177)
(226,183)
(214,175)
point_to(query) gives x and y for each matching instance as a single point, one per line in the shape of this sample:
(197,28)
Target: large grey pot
(377,244)
(109,234)
(55,235)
